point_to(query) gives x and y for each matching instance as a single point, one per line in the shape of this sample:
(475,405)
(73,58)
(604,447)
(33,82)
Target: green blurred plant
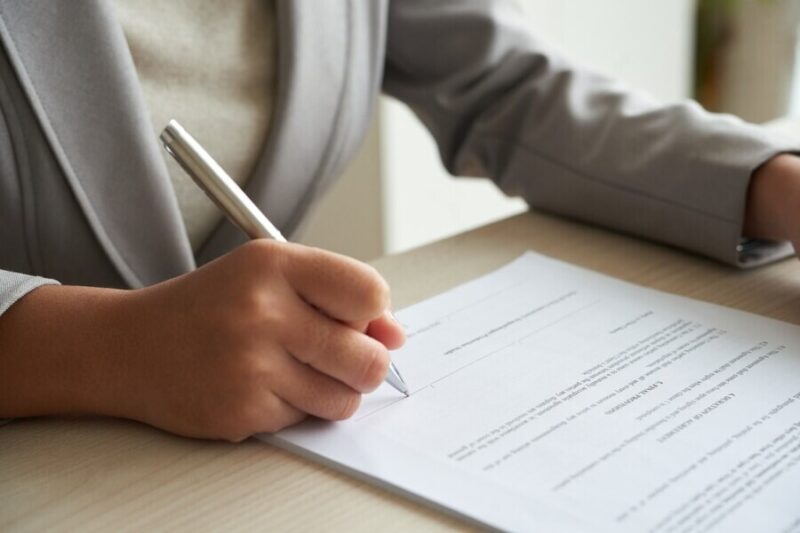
(713,31)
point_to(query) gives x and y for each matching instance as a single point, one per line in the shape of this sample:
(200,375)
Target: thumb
(387,330)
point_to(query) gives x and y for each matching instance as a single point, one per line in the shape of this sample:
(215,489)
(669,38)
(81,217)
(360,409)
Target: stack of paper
(545,396)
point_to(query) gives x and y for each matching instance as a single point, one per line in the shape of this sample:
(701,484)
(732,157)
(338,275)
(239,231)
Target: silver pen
(231,199)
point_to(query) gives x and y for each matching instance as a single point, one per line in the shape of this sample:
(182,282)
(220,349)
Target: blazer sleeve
(14,286)
(502,104)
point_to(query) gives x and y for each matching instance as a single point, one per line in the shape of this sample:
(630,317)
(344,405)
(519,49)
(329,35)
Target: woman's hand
(252,342)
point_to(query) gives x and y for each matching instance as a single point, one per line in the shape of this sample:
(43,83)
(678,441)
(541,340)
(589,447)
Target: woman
(263,334)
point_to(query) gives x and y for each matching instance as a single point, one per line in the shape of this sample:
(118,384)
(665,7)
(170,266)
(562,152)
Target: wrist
(773,200)
(57,346)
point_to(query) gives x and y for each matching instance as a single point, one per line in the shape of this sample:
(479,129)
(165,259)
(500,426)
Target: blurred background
(736,56)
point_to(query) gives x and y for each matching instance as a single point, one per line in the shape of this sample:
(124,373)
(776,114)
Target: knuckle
(318,262)
(272,315)
(264,314)
(267,370)
(248,306)
(362,282)
(261,248)
(265,255)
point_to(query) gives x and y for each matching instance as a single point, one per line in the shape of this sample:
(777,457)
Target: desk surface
(112,474)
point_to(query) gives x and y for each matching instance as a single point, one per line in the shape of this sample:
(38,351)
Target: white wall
(647,43)
(351,219)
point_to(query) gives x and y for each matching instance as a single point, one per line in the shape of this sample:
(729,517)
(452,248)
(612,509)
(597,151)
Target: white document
(548,397)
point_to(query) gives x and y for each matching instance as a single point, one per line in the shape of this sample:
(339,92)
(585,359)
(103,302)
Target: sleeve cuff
(14,286)
(753,253)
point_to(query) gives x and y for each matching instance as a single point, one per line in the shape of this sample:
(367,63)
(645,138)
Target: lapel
(313,41)
(73,62)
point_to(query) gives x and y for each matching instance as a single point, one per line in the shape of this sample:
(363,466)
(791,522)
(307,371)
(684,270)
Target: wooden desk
(112,475)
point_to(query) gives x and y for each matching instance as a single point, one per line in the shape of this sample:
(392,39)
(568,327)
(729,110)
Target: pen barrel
(217,184)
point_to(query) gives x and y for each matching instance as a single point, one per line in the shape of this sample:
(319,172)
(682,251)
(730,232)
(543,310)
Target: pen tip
(396,380)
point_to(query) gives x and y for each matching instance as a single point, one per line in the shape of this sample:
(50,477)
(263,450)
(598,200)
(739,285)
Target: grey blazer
(85,196)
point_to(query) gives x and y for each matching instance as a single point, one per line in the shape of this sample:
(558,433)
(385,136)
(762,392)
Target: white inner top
(210,65)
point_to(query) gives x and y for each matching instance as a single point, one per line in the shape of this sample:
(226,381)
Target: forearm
(56,349)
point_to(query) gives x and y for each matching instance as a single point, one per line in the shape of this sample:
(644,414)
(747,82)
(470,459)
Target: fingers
(335,349)
(343,288)
(386,330)
(312,392)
